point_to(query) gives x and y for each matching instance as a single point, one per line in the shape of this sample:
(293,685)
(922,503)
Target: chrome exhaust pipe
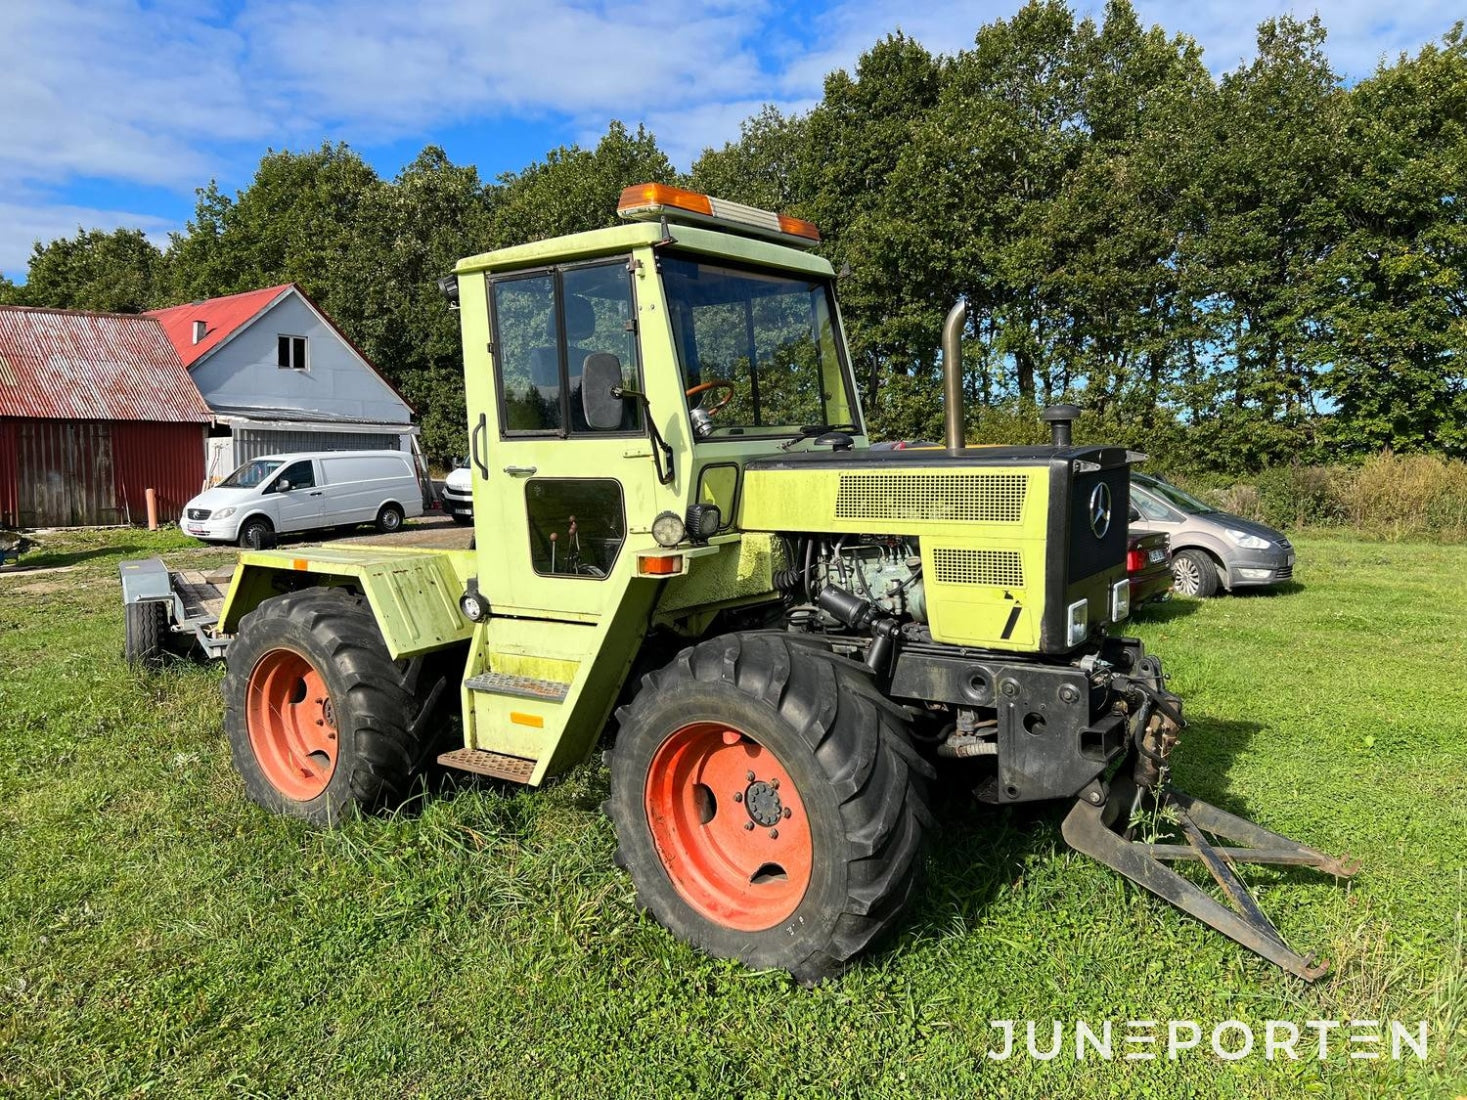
(952,377)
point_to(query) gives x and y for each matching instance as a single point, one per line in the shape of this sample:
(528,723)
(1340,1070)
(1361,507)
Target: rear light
(1135,561)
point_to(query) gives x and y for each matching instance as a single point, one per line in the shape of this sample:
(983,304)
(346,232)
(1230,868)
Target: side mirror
(282,486)
(1135,514)
(600,375)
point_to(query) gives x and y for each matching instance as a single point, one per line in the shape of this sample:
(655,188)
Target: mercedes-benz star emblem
(1100,510)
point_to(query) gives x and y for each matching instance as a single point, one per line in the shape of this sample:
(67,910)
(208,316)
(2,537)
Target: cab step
(520,687)
(514,768)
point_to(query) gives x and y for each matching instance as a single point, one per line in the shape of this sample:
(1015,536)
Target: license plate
(1156,555)
(192,530)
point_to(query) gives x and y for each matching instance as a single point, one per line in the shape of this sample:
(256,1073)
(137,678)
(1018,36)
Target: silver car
(1210,549)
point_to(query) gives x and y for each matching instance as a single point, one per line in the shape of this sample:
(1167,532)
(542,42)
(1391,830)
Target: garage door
(253,442)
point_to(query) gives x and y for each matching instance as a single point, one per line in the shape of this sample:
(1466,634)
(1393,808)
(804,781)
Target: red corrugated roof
(221,317)
(69,365)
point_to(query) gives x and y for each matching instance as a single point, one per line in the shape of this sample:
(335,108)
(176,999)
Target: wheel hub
(729,826)
(761,799)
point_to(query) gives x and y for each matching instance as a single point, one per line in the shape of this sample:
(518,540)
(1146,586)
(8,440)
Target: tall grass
(1390,496)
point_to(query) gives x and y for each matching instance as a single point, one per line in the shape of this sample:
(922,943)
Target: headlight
(668,529)
(1079,622)
(225,513)
(1247,541)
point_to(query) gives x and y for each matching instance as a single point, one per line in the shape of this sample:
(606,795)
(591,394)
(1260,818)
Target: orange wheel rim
(292,724)
(729,826)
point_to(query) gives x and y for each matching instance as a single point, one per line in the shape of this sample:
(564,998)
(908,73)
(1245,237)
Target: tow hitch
(1104,819)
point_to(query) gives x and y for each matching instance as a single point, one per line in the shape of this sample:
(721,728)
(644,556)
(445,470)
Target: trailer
(171,612)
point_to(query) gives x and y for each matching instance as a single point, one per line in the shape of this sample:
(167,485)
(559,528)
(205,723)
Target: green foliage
(117,272)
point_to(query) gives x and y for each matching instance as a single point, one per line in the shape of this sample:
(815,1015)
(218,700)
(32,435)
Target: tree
(116,272)
(1394,292)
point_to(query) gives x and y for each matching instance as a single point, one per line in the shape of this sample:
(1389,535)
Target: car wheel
(462,519)
(389,519)
(1194,574)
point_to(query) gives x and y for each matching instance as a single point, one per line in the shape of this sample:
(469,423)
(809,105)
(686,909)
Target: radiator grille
(1001,568)
(980,498)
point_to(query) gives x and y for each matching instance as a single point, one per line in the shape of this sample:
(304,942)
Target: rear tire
(389,519)
(145,634)
(851,804)
(461,519)
(257,534)
(1194,574)
(322,723)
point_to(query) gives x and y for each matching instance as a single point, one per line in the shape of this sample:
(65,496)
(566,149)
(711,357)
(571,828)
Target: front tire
(768,804)
(322,723)
(1194,574)
(462,519)
(256,534)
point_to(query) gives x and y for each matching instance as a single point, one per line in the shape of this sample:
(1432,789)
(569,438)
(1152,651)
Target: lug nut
(773,834)
(749,825)
(774,784)
(738,796)
(751,777)
(788,813)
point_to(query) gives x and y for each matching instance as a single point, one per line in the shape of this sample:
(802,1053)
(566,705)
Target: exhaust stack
(1059,418)
(952,377)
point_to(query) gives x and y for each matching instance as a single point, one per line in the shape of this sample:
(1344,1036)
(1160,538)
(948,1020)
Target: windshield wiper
(815,429)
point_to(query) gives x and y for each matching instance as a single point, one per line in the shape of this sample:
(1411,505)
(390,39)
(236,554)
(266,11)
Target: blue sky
(113,111)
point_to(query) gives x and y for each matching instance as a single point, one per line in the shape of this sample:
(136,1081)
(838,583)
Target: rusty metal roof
(69,365)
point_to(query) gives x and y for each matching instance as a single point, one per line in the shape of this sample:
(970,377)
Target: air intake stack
(1059,418)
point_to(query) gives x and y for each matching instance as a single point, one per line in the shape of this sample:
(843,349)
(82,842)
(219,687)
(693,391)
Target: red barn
(95,409)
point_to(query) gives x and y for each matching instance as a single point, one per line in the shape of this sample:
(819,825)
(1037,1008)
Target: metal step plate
(514,768)
(521,687)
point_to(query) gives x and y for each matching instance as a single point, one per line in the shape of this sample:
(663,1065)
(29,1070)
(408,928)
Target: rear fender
(413,593)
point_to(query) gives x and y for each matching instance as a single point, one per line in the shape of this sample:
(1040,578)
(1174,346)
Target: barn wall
(168,458)
(69,473)
(64,473)
(9,488)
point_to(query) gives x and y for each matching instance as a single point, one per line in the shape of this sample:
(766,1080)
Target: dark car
(1210,548)
(1149,566)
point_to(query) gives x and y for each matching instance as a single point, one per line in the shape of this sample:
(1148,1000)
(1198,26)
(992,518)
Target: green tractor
(681,529)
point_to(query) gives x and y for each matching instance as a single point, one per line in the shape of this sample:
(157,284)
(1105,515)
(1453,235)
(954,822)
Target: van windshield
(251,474)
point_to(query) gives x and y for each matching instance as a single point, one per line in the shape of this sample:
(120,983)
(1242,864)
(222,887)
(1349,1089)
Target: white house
(279,376)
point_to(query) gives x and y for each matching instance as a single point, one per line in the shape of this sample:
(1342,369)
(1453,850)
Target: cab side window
(527,354)
(298,475)
(1151,509)
(546,325)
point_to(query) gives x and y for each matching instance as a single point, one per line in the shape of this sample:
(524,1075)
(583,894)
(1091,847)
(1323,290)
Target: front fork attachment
(1101,826)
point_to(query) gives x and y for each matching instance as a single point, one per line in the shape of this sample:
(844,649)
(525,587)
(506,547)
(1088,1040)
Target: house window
(290,352)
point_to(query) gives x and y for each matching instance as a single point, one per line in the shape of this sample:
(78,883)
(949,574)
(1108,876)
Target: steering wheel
(715,384)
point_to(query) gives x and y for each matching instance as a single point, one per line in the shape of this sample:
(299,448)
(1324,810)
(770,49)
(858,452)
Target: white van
(276,494)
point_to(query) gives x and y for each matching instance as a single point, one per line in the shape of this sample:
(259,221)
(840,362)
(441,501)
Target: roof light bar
(651,201)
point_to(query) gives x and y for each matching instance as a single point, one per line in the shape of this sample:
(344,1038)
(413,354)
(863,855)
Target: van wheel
(257,534)
(462,519)
(389,519)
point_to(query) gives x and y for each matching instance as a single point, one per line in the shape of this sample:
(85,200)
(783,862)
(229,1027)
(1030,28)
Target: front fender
(413,593)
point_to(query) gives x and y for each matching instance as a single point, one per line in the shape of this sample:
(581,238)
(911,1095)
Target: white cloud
(22,224)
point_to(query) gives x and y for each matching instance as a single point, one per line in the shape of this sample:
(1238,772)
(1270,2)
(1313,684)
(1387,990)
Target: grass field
(160,935)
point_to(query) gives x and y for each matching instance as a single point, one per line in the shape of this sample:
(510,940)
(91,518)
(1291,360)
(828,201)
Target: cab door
(562,493)
(298,496)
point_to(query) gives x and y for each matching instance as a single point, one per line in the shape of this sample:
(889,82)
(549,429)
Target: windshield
(765,345)
(1178,499)
(251,474)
